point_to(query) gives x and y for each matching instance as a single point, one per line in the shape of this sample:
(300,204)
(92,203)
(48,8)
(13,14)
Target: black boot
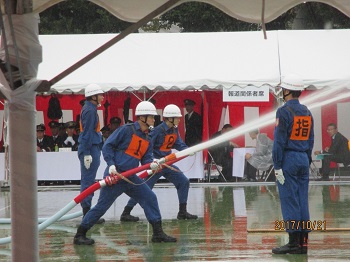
(159,235)
(126,217)
(303,242)
(183,214)
(293,246)
(86,209)
(80,237)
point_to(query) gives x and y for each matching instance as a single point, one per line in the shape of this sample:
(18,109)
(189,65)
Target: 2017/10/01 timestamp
(300,225)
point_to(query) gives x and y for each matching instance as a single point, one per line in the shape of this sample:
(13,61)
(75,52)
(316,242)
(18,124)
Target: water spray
(172,158)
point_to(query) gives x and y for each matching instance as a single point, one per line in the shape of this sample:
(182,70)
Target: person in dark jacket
(193,123)
(44,143)
(70,139)
(338,151)
(57,139)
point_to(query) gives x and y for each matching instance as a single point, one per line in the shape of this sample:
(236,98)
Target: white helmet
(93,89)
(292,82)
(172,111)
(145,108)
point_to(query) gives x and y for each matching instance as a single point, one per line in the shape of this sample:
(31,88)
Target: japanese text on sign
(249,93)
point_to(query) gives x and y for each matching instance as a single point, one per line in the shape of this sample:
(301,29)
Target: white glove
(69,139)
(279,176)
(87,161)
(155,165)
(112,170)
(192,154)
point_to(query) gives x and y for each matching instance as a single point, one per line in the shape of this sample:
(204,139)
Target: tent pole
(114,40)
(22,142)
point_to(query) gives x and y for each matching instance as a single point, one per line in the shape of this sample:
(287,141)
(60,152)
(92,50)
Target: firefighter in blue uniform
(164,137)
(125,149)
(293,144)
(90,142)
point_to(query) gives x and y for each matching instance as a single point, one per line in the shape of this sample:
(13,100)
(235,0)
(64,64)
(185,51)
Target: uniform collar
(165,126)
(88,103)
(293,101)
(138,127)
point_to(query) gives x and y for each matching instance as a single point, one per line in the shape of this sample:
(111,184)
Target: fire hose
(262,121)
(60,215)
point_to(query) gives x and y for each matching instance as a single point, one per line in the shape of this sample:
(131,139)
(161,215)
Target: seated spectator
(106,132)
(114,123)
(338,151)
(62,129)
(44,143)
(70,139)
(261,159)
(223,154)
(57,139)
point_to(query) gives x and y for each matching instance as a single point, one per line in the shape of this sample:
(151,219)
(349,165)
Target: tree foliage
(84,17)
(79,17)
(201,17)
(321,16)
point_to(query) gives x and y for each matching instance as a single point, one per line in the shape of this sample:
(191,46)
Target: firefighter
(293,144)
(90,142)
(125,149)
(164,137)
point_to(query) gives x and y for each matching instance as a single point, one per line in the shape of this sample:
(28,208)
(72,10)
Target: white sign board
(246,94)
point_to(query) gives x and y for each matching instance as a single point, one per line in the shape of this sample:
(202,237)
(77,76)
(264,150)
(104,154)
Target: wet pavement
(237,221)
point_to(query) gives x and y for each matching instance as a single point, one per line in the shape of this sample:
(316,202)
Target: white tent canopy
(183,61)
(163,61)
(321,57)
(245,10)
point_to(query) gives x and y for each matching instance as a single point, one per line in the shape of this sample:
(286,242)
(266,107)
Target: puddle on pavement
(226,214)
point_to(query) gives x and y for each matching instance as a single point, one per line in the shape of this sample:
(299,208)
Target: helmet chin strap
(145,122)
(285,95)
(96,100)
(174,126)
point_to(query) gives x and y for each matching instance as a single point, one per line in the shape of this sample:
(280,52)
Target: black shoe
(129,218)
(100,221)
(287,249)
(159,235)
(162,237)
(185,215)
(83,240)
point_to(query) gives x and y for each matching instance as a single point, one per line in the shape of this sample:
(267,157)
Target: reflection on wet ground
(236,222)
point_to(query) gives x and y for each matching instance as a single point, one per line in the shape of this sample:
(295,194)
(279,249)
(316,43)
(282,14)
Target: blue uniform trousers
(140,192)
(294,192)
(180,181)
(88,176)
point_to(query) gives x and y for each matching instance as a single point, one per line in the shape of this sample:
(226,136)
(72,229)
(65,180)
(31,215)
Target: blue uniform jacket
(114,148)
(157,137)
(283,129)
(90,135)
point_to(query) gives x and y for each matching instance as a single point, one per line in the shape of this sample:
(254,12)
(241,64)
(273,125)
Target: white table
(66,166)
(239,160)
